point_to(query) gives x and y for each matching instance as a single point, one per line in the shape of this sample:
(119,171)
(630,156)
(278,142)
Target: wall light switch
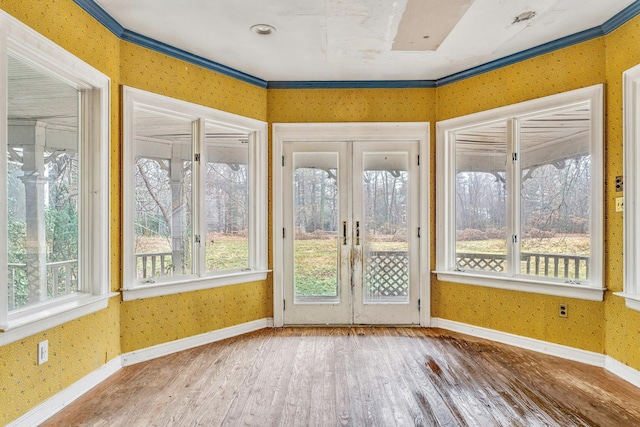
(619,204)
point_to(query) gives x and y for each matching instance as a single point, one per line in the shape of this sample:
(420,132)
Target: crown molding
(93,9)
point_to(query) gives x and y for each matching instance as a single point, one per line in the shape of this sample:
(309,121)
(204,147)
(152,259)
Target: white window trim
(258,187)
(94,242)
(631,140)
(445,197)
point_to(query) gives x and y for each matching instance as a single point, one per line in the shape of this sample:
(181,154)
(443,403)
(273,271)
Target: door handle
(357,233)
(344,232)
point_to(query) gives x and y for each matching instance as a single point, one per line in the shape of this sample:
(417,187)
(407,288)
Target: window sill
(632,300)
(177,287)
(523,285)
(52,315)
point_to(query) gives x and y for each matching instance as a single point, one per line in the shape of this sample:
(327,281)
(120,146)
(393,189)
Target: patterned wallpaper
(159,320)
(152,71)
(76,349)
(622,324)
(566,69)
(351,105)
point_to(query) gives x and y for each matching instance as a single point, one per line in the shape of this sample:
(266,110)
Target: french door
(351,236)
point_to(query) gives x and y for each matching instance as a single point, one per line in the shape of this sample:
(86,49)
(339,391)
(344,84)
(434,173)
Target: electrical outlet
(619,204)
(43,352)
(563,310)
(619,184)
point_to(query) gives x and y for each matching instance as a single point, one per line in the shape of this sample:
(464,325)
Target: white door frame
(328,132)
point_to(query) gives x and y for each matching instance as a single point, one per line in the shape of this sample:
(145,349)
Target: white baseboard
(563,351)
(57,402)
(625,372)
(160,350)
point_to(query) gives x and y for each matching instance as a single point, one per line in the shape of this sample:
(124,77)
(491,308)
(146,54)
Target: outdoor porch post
(30,136)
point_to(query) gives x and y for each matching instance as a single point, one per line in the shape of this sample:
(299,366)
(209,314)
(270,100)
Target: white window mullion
(198,197)
(513,197)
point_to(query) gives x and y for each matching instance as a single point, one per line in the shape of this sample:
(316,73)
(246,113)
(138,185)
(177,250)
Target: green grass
(569,244)
(223,252)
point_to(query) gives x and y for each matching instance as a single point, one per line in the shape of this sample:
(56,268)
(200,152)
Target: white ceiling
(334,40)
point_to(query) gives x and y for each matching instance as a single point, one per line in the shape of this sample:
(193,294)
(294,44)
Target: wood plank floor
(357,377)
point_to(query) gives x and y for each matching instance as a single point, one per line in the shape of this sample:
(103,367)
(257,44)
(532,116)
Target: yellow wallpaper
(622,324)
(565,69)
(158,320)
(522,313)
(76,349)
(351,105)
(152,71)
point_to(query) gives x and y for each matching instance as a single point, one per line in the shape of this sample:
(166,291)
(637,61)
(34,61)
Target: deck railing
(539,264)
(62,279)
(154,264)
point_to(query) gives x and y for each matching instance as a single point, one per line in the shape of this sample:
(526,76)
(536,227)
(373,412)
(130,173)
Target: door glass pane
(226,199)
(555,198)
(42,185)
(316,221)
(162,195)
(384,229)
(481,197)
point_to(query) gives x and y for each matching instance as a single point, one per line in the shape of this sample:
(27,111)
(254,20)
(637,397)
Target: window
(631,82)
(520,196)
(55,184)
(195,197)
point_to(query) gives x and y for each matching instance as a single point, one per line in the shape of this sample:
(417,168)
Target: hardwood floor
(357,377)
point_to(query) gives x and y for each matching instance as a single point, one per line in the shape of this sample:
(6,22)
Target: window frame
(631,140)
(258,178)
(594,288)
(94,205)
